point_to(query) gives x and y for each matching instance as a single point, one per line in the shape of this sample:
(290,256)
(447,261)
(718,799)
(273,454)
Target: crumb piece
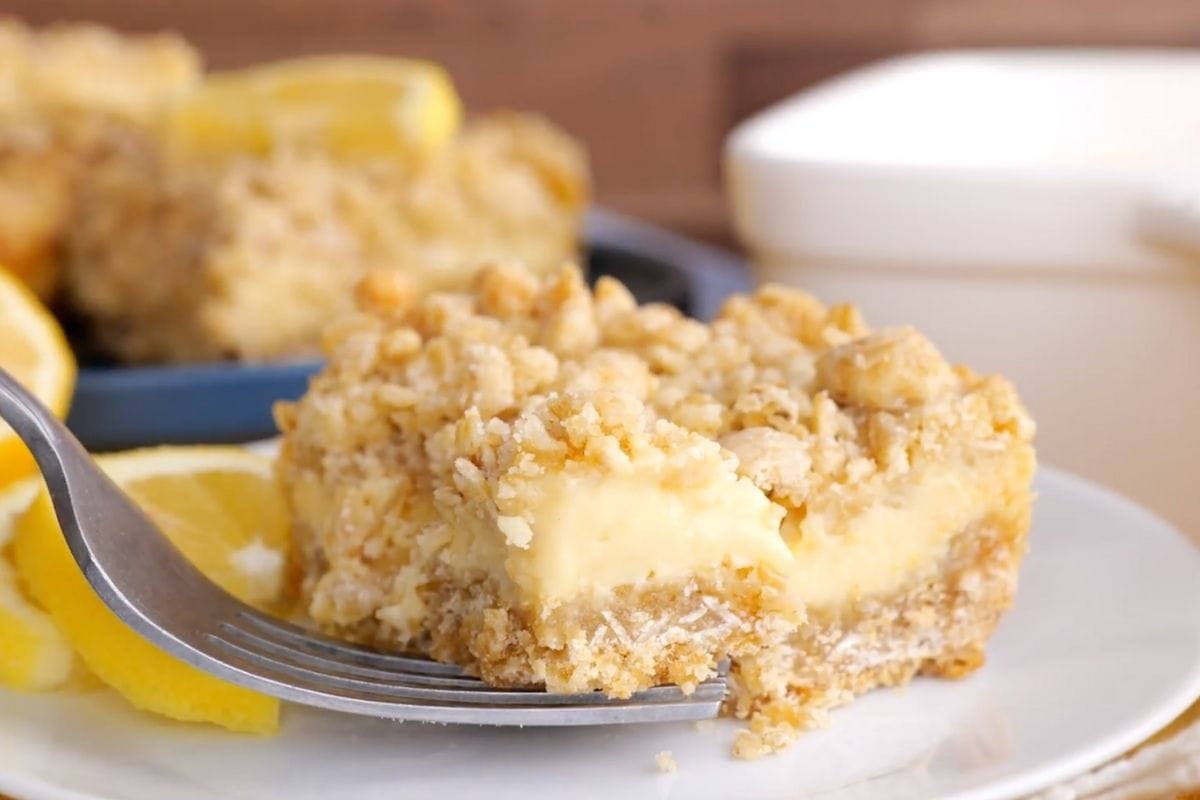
(385,293)
(262,566)
(751,745)
(704,725)
(666,761)
(888,369)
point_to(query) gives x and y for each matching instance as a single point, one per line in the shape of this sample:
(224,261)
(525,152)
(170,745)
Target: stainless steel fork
(140,575)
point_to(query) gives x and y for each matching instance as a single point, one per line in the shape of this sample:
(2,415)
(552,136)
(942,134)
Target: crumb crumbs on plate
(666,761)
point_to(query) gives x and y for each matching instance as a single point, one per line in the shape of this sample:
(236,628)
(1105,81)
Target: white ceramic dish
(1011,204)
(1031,157)
(1102,649)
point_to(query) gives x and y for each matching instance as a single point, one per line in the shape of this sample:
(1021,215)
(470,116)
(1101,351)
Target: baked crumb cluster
(887,492)
(254,255)
(82,68)
(68,95)
(163,253)
(417,496)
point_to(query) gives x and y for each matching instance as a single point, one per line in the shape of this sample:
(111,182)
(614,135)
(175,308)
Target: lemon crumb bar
(68,95)
(175,257)
(473,478)
(553,485)
(166,251)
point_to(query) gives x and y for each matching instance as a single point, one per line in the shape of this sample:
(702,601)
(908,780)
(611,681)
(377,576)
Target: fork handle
(37,427)
(79,490)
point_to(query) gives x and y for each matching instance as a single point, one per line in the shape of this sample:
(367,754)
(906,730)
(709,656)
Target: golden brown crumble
(170,256)
(461,414)
(88,69)
(69,94)
(440,417)
(251,256)
(936,625)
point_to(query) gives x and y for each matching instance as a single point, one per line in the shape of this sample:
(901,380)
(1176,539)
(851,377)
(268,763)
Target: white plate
(1102,648)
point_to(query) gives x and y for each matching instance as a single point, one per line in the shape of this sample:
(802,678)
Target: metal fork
(140,575)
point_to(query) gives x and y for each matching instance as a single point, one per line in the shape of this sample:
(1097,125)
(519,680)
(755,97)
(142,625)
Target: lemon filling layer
(879,550)
(584,533)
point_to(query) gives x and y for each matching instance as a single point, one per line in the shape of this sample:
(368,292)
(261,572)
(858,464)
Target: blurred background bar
(604,68)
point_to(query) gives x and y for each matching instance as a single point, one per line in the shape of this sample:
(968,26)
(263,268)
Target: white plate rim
(1033,780)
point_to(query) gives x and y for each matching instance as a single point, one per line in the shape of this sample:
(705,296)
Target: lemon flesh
(221,507)
(215,504)
(33,654)
(35,352)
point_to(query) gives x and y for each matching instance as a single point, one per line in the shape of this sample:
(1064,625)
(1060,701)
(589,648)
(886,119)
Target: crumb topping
(81,67)
(69,96)
(253,256)
(806,398)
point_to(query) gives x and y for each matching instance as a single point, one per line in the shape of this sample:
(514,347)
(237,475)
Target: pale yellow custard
(883,547)
(642,503)
(591,534)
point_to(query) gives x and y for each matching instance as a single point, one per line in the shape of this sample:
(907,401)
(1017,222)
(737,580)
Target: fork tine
(328,655)
(119,548)
(297,638)
(287,638)
(318,661)
(403,686)
(388,702)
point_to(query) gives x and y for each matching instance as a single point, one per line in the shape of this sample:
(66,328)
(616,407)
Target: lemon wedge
(34,350)
(220,506)
(33,654)
(348,105)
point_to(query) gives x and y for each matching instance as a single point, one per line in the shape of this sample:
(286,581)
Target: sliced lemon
(349,105)
(222,509)
(33,654)
(34,350)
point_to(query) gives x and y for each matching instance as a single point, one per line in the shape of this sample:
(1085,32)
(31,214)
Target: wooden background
(652,86)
